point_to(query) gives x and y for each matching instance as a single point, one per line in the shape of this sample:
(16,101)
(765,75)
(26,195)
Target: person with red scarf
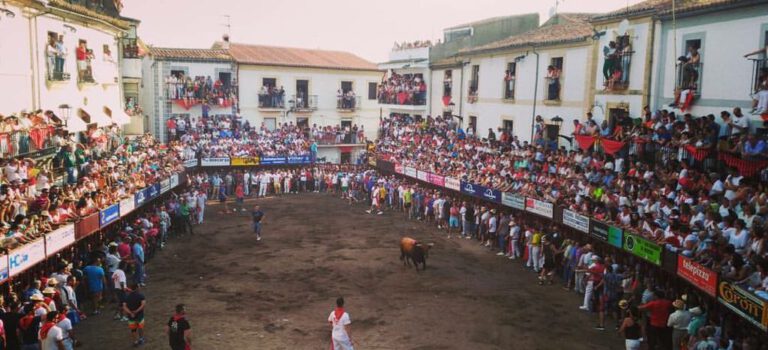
(339,320)
(50,335)
(179,331)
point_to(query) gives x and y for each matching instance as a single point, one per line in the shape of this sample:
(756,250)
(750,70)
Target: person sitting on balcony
(689,64)
(754,148)
(760,97)
(609,61)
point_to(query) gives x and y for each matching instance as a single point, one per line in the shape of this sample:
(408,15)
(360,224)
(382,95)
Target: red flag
(585,141)
(611,146)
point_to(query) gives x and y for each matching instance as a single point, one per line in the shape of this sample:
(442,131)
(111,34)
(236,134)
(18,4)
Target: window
(346,86)
(178,74)
(509,81)
(617,59)
(269,82)
(107,54)
(372,88)
(759,60)
(56,54)
(225,78)
(84,56)
(507,125)
(302,94)
(475,80)
(130,48)
(473,123)
(554,71)
(447,83)
(689,69)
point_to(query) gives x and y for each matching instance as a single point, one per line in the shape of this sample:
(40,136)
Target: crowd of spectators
(403,89)
(655,186)
(200,89)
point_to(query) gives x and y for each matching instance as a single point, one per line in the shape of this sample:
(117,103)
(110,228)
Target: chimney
(225,42)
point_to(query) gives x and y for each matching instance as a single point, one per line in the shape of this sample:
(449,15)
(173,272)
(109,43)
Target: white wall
(491,108)
(15,69)
(322,82)
(91,97)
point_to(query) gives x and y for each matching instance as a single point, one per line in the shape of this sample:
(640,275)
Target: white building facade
(164,92)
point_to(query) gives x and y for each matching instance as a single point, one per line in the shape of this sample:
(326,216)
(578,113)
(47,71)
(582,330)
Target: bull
(413,250)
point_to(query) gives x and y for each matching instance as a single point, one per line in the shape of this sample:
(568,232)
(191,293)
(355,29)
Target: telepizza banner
(744,303)
(59,239)
(643,248)
(699,276)
(513,200)
(576,220)
(26,256)
(422,175)
(538,207)
(453,183)
(436,180)
(410,172)
(218,161)
(244,161)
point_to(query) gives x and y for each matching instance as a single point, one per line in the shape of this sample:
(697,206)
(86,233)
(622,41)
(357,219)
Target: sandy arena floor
(277,293)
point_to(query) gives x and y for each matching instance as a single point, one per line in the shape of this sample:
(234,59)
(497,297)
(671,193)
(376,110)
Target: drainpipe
(535,94)
(461,91)
(32,61)
(649,65)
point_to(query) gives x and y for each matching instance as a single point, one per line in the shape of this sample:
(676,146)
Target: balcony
(56,73)
(303,103)
(758,65)
(33,143)
(472,91)
(552,90)
(403,98)
(347,103)
(616,71)
(509,88)
(689,77)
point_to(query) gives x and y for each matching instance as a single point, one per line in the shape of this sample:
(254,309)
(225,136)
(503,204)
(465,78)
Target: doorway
(302,93)
(303,124)
(346,158)
(346,124)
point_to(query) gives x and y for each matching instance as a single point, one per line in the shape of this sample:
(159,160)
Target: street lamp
(557,121)
(64,110)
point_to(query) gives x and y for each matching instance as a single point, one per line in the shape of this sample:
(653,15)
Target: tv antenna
(228,24)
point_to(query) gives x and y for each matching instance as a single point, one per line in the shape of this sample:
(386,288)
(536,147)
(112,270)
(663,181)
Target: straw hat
(36,297)
(623,304)
(49,290)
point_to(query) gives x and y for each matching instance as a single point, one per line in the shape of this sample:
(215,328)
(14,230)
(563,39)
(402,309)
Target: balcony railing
(404,98)
(56,68)
(616,71)
(27,143)
(347,103)
(130,48)
(689,77)
(553,89)
(509,88)
(757,66)
(472,91)
(272,100)
(303,103)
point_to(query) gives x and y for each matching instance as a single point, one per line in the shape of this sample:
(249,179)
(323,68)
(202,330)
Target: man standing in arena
(133,307)
(339,320)
(257,216)
(178,330)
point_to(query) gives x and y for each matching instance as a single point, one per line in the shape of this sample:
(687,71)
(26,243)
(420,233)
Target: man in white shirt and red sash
(339,320)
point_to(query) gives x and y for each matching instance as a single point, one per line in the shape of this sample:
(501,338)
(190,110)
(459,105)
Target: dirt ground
(277,293)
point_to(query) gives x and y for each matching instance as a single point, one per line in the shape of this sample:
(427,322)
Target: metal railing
(757,66)
(347,103)
(56,69)
(27,143)
(553,89)
(403,98)
(616,71)
(509,88)
(302,102)
(130,48)
(689,77)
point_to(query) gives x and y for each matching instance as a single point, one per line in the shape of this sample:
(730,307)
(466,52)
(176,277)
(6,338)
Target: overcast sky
(367,28)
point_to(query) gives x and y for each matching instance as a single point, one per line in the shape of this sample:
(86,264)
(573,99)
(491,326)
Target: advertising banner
(87,226)
(272,160)
(219,161)
(598,230)
(399,168)
(126,206)
(539,207)
(174,180)
(4,273)
(436,180)
(165,185)
(453,183)
(615,236)
(513,200)
(491,194)
(298,159)
(26,256)
(410,172)
(471,189)
(643,248)
(59,239)
(422,175)
(699,276)
(576,220)
(190,163)
(139,198)
(152,191)
(244,161)
(109,215)
(744,303)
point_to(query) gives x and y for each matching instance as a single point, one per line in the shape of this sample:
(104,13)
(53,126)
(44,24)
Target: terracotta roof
(295,57)
(661,7)
(189,54)
(491,20)
(563,28)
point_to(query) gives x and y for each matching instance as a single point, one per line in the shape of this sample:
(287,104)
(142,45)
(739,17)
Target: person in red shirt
(240,196)
(659,335)
(81,53)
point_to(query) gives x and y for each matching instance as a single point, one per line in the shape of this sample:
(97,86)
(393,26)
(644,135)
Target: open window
(554,72)
(507,125)
(474,83)
(617,61)
(509,81)
(84,56)
(447,83)
(689,69)
(759,60)
(56,54)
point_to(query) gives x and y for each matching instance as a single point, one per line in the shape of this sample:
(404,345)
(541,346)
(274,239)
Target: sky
(366,28)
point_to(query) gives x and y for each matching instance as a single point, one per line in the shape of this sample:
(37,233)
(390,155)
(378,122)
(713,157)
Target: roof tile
(295,57)
(190,54)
